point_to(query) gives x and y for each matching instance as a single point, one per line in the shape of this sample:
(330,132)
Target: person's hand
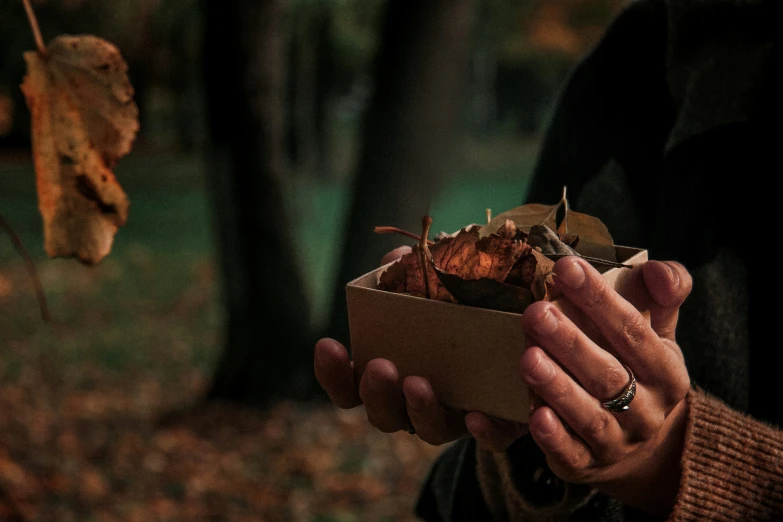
(393,404)
(632,455)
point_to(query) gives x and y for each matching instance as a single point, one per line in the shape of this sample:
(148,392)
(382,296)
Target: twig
(39,43)
(426,223)
(5,226)
(395,230)
(590,259)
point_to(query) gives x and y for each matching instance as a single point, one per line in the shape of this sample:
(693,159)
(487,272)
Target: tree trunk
(324,63)
(483,109)
(268,347)
(309,89)
(420,70)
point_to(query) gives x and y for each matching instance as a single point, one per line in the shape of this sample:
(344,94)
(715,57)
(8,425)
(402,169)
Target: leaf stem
(39,43)
(395,230)
(426,223)
(590,259)
(16,240)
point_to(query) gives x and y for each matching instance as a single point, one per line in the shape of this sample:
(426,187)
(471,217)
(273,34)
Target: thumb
(669,284)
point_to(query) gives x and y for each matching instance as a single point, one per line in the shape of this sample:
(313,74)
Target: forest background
(174,381)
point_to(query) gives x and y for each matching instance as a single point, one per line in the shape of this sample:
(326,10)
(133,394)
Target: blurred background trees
(302,124)
(275,134)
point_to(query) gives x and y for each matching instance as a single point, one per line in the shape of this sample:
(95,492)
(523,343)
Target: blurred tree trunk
(268,347)
(483,96)
(420,70)
(309,88)
(301,88)
(324,77)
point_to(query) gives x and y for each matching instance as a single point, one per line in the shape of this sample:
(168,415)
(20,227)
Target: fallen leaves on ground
(96,453)
(79,437)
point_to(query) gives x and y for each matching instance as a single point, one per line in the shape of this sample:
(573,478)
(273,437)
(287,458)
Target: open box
(470,355)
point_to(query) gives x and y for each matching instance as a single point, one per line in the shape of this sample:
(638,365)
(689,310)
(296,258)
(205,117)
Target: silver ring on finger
(622,401)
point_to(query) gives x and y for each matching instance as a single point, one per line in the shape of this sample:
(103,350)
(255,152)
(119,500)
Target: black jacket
(669,131)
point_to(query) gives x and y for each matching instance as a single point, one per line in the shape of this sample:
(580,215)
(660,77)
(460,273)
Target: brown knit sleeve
(732,465)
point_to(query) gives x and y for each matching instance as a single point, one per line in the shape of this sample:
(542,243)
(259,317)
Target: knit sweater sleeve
(732,465)
(732,469)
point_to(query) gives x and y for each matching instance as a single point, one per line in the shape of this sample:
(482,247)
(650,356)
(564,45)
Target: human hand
(394,404)
(632,455)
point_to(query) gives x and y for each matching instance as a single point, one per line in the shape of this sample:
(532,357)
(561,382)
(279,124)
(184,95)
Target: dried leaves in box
(503,265)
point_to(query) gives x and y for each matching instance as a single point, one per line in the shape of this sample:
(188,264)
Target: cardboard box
(470,355)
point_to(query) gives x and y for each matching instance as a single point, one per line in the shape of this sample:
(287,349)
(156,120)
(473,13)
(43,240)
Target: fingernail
(541,372)
(674,277)
(547,426)
(547,323)
(571,274)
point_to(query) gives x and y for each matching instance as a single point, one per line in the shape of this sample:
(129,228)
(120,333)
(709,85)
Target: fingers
(630,338)
(434,423)
(669,284)
(334,372)
(381,392)
(493,434)
(388,408)
(598,371)
(395,254)
(578,409)
(567,456)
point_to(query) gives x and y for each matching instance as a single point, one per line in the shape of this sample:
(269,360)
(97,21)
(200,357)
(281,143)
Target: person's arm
(732,465)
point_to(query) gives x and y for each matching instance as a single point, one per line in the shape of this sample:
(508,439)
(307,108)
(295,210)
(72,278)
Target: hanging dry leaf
(84,120)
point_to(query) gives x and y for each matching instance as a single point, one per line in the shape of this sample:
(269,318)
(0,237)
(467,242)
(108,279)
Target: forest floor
(137,336)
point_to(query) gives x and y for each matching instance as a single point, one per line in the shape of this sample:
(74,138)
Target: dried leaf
(471,257)
(404,276)
(550,244)
(84,120)
(594,238)
(524,217)
(464,255)
(487,293)
(506,264)
(523,272)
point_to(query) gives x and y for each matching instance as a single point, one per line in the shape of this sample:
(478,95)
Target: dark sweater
(669,132)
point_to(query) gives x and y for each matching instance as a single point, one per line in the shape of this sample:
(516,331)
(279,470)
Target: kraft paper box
(470,355)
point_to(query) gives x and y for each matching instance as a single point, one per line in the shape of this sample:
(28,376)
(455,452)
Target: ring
(410,429)
(623,400)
